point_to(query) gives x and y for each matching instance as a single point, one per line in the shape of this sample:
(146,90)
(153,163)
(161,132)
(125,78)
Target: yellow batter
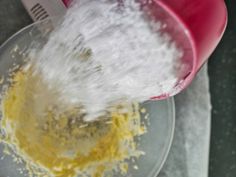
(59,143)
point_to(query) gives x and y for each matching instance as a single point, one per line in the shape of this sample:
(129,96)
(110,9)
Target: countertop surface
(222,72)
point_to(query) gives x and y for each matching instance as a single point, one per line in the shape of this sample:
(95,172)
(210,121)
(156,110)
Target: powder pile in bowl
(54,143)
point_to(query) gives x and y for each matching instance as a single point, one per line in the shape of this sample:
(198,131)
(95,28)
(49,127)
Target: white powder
(130,60)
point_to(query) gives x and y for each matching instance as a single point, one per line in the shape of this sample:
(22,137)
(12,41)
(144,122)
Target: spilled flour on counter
(105,52)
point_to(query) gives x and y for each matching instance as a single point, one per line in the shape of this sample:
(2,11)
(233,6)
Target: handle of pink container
(204,21)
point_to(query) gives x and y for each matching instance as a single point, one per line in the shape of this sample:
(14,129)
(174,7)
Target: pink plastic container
(195,25)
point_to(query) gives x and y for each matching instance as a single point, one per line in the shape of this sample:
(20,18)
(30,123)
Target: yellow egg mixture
(59,143)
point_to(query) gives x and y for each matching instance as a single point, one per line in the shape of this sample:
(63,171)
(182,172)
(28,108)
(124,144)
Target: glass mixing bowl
(155,143)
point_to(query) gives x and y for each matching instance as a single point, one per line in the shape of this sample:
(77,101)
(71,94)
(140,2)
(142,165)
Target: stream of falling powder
(104,52)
